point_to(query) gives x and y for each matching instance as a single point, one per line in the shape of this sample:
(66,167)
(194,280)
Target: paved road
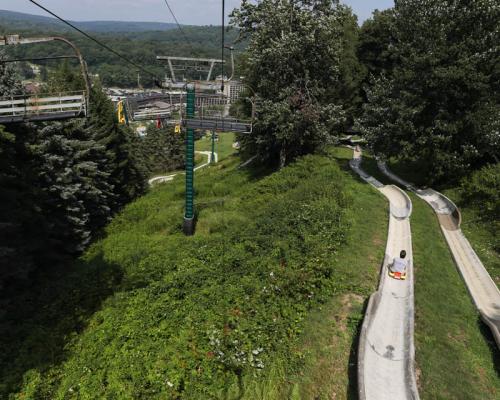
(167,178)
(482,288)
(386,359)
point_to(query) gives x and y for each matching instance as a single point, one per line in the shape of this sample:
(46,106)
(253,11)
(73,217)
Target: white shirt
(399,265)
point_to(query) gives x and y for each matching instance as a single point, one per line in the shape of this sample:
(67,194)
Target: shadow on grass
(492,345)
(352,388)
(38,321)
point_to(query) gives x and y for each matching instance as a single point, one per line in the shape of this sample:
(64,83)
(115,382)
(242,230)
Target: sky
(190,12)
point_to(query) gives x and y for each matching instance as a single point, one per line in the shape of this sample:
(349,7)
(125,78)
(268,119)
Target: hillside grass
(148,313)
(327,348)
(457,357)
(223,147)
(480,234)
(330,343)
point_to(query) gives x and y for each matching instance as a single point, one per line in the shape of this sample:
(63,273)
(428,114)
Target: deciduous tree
(442,103)
(293,65)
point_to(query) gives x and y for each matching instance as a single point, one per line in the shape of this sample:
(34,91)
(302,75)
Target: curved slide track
(386,358)
(482,288)
(168,178)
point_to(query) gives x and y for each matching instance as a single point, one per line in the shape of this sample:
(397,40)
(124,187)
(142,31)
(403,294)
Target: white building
(233,90)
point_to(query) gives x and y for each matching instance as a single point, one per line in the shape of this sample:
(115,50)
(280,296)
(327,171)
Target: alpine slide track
(386,352)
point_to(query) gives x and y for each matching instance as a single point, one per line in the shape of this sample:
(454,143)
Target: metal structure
(164,105)
(183,64)
(177,65)
(218,124)
(189,208)
(50,106)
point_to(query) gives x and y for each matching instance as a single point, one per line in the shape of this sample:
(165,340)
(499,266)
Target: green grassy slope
(149,313)
(456,354)
(476,230)
(457,357)
(223,148)
(329,345)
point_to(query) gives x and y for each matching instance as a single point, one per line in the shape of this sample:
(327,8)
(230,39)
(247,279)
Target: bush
(194,317)
(482,191)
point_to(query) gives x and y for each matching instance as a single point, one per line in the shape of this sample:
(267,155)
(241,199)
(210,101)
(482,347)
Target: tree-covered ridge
(17,20)
(140,47)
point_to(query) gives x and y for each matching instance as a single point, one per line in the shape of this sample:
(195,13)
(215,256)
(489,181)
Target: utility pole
(189,211)
(212,157)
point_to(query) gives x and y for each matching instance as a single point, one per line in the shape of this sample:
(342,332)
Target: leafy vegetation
(376,42)
(479,202)
(161,150)
(202,315)
(61,183)
(448,329)
(299,78)
(440,105)
(482,191)
(139,46)
(328,346)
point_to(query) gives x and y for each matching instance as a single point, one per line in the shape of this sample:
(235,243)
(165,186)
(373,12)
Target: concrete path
(482,288)
(168,178)
(386,358)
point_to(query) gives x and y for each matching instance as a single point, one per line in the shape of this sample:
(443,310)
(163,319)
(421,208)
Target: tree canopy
(294,66)
(441,103)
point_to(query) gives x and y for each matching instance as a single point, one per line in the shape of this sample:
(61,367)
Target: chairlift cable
(103,45)
(179,25)
(222,58)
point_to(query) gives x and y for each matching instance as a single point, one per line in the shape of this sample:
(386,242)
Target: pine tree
(125,173)
(74,182)
(22,225)
(161,150)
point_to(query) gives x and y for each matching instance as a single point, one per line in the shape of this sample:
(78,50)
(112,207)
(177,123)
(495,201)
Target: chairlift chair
(50,106)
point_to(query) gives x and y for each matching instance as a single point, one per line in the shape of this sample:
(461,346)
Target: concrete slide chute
(482,288)
(386,358)
(167,178)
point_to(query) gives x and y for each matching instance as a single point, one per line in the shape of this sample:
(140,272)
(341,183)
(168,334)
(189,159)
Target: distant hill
(10,20)
(141,42)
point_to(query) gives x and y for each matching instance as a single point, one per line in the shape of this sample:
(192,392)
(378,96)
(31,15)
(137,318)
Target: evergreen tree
(161,150)
(22,225)
(441,105)
(125,174)
(60,182)
(74,181)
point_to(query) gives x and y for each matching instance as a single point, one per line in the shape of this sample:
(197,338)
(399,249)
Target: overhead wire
(179,26)
(223,44)
(97,41)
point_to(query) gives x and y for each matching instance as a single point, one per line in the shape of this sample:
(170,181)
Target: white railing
(152,114)
(42,107)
